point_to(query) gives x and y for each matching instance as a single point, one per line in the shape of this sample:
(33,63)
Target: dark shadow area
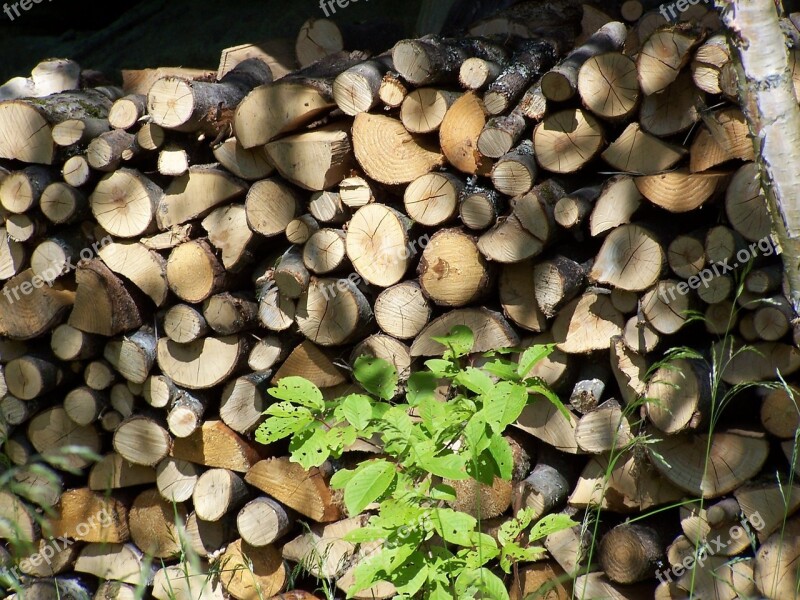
(152,33)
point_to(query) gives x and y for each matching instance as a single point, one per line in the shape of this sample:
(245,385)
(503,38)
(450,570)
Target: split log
(134,355)
(586,324)
(279,479)
(636,151)
(123,563)
(546,488)
(322,551)
(459,134)
(216,445)
(78,517)
(662,57)
(309,361)
(673,110)
(184,582)
(103,305)
(99,375)
(680,191)
(114,472)
(631,258)
(194,194)
(152,523)
(262,115)
(356,191)
(327,207)
(314,160)
(243,401)
(389,154)
(249,164)
(734,457)
(490,328)
(565,141)
(252,572)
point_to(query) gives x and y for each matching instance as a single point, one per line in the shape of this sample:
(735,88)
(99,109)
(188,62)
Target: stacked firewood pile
(557,176)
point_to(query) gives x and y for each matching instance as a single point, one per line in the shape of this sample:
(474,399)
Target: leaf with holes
(310,447)
(376,376)
(300,391)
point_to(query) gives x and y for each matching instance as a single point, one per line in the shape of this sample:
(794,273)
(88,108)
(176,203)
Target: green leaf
(475,380)
(339,438)
(441,368)
(443,492)
(475,434)
(533,355)
(504,369)
(453,526)
(310,447)
(491,585)
(550,524)
(459,341)
(433,413)
(548,393)
(277,428)
(376,376)
(500,450)
(341,477)
(357,409)
(397,429)
(421,386)
(300,391)
(365,534)
(411,576)
(449,466)
(368,483)
(503,404)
